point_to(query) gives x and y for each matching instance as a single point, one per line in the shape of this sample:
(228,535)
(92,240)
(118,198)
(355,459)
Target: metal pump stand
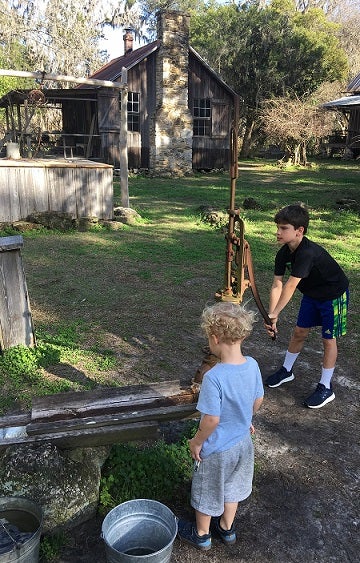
(239,270)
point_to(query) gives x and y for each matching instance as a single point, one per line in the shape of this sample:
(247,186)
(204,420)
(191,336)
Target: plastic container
(138,531)
(13,150)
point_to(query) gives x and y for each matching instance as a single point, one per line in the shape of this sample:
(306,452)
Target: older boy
(324,286)
(222,447)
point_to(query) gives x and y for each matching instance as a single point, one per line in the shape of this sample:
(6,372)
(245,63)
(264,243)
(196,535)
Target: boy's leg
(330,353)
(227,519)
(297,340)
(284,374)
(202,523)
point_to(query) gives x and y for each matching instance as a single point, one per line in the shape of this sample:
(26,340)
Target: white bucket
(139,531)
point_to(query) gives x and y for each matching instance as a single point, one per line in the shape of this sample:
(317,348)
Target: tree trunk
(303,158)
(296,155)
(246,142)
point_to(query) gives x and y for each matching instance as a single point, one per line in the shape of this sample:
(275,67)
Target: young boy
(231,392)
(324,303)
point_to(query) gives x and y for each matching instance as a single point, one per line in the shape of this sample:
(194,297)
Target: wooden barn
(349,106)
(180,112)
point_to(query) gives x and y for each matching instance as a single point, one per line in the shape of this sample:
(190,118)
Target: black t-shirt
(321,276)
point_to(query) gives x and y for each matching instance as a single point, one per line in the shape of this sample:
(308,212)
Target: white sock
(290,360)
(326,375)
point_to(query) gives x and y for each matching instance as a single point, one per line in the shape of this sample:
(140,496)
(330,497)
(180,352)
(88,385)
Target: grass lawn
(123,307)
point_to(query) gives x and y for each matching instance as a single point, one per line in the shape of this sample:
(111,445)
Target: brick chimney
(128,41)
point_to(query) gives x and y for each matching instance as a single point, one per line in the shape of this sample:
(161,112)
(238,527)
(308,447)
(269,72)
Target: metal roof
(112,69)
(346,102)
(354,85)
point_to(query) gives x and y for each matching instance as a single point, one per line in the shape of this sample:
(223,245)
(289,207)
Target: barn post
(16,325)
(124,183)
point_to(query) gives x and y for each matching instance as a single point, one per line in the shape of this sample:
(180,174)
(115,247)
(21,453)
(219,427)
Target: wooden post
(123,142)
(16,325)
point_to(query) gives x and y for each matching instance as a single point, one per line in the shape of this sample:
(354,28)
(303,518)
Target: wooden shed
(349,106)
(180,111)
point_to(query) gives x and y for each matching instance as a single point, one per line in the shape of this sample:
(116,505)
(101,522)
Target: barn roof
(343,103)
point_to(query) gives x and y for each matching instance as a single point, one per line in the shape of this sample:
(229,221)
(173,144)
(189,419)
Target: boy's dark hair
(296,215)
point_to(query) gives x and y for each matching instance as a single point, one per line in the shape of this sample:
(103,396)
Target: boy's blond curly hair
(228,321)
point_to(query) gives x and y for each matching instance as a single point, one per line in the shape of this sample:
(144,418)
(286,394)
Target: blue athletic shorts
(330,315)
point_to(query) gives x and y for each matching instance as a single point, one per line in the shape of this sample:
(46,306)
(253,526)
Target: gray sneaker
(281,376)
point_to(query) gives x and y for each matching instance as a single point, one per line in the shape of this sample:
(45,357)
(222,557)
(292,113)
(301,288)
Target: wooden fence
(79,187)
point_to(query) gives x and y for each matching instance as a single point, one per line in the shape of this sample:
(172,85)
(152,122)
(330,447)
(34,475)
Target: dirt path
(305,503)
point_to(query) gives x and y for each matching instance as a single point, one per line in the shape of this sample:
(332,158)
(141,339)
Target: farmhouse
(180,112)
(349,106)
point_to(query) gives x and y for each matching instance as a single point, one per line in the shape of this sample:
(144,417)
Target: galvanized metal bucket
(139,530)
(21,523)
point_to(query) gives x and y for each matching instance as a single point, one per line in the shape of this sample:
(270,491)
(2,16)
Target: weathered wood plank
(15,420)
(91,437)
(15,315)
(179,412)
(64,406)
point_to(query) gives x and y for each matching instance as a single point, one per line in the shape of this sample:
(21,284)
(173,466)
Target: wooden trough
(100,417)
(79,187)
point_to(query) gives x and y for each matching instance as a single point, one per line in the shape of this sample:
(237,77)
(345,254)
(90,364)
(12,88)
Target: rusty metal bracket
(239,270)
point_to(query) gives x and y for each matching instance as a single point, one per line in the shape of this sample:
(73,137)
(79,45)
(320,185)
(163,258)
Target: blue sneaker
(320,397)
(228,537)
(281,376)
(188,533)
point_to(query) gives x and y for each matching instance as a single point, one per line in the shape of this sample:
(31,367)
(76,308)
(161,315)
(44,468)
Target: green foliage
(160,471)
(22,368)
(272,51)
(51,546)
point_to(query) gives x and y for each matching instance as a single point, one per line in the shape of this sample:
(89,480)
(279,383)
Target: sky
(114,43)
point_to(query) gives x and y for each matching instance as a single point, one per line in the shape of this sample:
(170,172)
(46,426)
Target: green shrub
(160,471)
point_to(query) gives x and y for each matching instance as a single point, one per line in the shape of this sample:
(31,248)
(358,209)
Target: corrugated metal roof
(354,85)
(343,103)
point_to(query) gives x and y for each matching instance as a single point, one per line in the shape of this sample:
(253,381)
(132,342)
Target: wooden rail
(100,417)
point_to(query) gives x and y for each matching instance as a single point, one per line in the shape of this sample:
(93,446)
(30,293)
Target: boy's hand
(195,449)
(271,329)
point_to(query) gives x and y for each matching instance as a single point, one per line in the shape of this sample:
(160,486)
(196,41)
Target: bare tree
(293,124)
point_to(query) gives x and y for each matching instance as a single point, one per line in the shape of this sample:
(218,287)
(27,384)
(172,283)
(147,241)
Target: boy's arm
(207,426)
(257,404)
(283,296)
(275,291)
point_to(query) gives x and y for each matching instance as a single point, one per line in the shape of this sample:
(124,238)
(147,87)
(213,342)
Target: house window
(133,108)
(202,117)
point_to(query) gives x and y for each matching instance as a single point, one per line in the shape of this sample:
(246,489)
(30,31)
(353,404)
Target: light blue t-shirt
(229,391)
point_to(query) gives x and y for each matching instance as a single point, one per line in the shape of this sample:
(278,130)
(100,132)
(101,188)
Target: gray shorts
(223,477)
